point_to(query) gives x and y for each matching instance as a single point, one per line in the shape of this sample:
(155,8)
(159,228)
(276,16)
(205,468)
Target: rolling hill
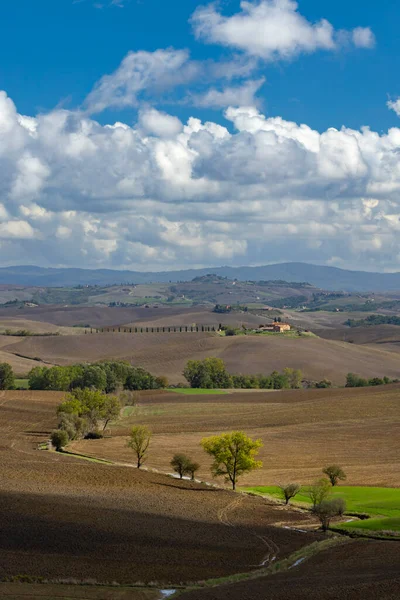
(329,278)
(167,354)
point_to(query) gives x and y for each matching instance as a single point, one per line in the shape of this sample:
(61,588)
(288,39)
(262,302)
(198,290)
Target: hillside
(330,278)
(167,354)
(301,430)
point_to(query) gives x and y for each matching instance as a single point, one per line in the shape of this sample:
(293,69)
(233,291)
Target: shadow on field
(55,536)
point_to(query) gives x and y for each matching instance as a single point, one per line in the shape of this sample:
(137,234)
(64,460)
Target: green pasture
(22,383)
(383,504)
(196,391)
(386,524)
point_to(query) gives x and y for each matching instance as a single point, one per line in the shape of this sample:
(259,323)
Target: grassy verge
(196,391)
(87,457)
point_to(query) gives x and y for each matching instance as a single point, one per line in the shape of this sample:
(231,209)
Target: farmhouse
(276,327)
(281,327)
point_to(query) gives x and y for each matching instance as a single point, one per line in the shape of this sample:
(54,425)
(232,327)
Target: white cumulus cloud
(272,30)
(162,193)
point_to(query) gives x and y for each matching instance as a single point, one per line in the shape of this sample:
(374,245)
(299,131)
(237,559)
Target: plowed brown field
(301,430)
(63,517)
(167,353)
(355,571)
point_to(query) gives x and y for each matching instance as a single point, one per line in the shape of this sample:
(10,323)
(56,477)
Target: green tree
(318,491)
(111,410)
(353,380)
(326,510)
(91,405)
(140,379)
(335,473)
(209,373)
(139,442)
(294,377)
(59,439)
(233,453)
(289,491)
(192,468)
(180,464)
(6,377)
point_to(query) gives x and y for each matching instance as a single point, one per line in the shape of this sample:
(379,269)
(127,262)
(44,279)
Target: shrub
(59,439)
(93,435)
(324,383)
(339,505)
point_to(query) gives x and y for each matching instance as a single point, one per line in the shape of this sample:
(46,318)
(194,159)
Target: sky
(154,135)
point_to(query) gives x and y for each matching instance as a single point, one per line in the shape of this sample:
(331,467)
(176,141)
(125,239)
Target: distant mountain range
(328,278)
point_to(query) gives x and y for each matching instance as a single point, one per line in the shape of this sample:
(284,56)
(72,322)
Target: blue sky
(54,52)
(154,135)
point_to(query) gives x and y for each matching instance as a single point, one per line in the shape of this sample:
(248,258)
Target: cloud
(363,37)
(394,105)
(242,95)
(163,194)
(272,30)
(140,74)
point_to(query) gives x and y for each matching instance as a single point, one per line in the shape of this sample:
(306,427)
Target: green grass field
(195,391)
(387,524)
(22,383)
(374,501)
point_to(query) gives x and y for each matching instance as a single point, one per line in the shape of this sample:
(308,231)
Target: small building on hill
(281,327)
(276,327)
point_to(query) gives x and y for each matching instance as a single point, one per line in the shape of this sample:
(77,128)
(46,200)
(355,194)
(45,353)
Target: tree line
(211,373)
(106,376)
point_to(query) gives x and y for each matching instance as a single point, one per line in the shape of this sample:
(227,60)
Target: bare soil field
(29,591)
(301,430)
(167,354)
(20,364)
(37,327)
(96,316)
(355,571)
(64,517)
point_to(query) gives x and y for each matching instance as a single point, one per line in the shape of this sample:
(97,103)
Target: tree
(294,376)
(139,441)
(353,380)
(192,467)
(208,373)
(6,377)
(140,379)
(91,405)
(180,464)
(326,510)
(111,410)
(161,382)
(335,473)
(233,453)
(319,491)
(289,491)
(59,439)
